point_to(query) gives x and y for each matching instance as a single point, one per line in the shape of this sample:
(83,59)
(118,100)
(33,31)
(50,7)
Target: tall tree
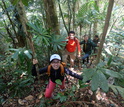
(23,20)
(22,34)
(51,16)
(108,16)
(95,24)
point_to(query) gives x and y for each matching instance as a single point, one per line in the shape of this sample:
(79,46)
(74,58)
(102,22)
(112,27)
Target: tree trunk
(24,28)
(108,16)
(51,16)
(95,28)
(73,11)
(69,15)
(95,23)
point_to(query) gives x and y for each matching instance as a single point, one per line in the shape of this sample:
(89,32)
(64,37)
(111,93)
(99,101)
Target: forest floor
(82,97)
(73,96)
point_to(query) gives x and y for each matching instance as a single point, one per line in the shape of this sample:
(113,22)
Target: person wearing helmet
(72,49)
(55,71)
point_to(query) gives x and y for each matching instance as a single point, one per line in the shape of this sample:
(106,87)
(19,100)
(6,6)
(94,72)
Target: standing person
(55,71)
(95,40)
(88,44)
(72,49)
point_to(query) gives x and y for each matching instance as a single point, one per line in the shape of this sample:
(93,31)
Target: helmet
(55,56)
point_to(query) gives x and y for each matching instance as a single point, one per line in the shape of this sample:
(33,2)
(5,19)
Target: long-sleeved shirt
(87,47)
(55,74)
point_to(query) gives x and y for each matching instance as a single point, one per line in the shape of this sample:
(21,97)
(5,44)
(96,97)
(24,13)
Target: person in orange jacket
(72,49)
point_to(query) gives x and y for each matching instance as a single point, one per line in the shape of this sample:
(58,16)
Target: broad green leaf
(121,91)
(95,81)
(27,53)
(12,49)
(88,74)
(58,81)
(113,88)
(103,82)
(117,90)
(15,55)
(112,73)
(101,64)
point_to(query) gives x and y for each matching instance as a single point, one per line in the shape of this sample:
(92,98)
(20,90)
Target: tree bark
(95,23)
(73,11)
(108,16)
(69,15)
(51,16)
(23,20)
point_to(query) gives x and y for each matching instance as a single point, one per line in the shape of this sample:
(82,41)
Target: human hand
(35,61)
(79,56)
(98,44)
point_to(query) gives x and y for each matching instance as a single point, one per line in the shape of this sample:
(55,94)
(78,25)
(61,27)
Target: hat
(55,56)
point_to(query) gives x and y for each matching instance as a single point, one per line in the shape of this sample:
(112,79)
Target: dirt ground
(82,97)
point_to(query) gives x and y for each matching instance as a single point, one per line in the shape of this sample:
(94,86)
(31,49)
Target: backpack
(62,65)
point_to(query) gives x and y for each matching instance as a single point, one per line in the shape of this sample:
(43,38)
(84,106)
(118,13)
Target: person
(88,44)
(72,48)
(55,71)
(95,40)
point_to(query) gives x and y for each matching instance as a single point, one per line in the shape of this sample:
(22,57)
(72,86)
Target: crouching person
(55,71)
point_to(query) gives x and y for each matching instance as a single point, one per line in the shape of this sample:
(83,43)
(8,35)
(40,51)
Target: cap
(55,56)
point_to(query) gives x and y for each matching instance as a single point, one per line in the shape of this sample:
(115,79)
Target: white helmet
(55,56)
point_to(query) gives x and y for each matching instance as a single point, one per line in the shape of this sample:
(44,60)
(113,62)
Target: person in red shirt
(72,49)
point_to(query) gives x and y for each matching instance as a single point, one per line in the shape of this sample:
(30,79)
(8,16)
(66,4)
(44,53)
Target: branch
(62,16)
(9,17)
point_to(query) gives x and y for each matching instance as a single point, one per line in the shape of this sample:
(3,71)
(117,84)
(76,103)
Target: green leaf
(88,74)
(15,55)
(112,73)
(14,2)
(113,88)
(110,60)
(121,91)
(101,64)
(117,89)
(103,82)
(58,81)
(95,82)
(99,80)
(25,2)
(27,53)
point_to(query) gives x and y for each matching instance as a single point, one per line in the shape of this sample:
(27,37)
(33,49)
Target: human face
(86,38)
(71,35)
(56,64)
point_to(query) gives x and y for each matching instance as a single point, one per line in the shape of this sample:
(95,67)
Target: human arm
(41,71)
(82,42)
(93,44)
(69,72)
(78,47)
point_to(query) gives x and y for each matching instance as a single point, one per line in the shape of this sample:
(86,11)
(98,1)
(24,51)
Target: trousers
(50,88)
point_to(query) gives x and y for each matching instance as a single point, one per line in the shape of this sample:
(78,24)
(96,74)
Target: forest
(36,29)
